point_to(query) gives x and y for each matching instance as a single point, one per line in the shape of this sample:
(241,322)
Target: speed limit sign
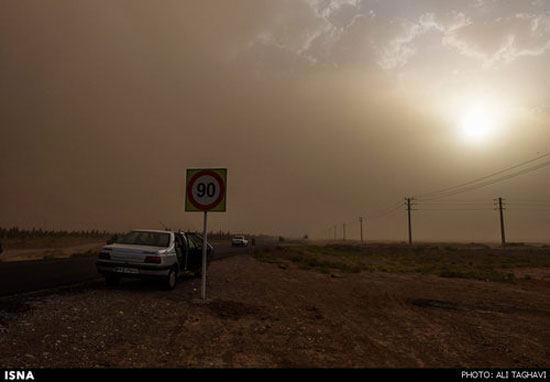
(205,190)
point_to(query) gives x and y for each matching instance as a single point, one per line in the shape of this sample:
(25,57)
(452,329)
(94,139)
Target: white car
(152,254)
(239,241)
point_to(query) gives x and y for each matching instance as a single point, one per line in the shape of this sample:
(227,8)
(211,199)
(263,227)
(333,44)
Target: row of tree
(17,233)
(20,233)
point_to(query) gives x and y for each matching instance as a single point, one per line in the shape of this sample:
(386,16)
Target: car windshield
(153,239)
(239,237)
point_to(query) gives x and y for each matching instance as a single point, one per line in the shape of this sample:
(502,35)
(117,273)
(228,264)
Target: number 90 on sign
(206,190)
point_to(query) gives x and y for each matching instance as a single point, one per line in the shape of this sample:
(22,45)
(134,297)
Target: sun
(477,124)
(476,118)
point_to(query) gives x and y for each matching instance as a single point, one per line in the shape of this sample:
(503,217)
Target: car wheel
(171,279)
(112,280)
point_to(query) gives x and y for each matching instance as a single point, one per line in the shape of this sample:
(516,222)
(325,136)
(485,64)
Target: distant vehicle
(162,255)
(239,241)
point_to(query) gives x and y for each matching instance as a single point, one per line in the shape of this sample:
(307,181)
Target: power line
(460,202)
(539,203)
(385,211)
(435,204)
(435,194)
(528,205)
(488,183)
(473,205)
(527,209)
(453,209)
(463,201)
(384,214)
(457,206)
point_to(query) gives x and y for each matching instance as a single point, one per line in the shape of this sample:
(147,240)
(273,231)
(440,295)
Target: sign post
(205,191)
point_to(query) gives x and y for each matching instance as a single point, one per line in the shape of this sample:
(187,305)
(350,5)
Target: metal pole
(361,224)
(502,234)
(409,212)
(344,231)
(204,252)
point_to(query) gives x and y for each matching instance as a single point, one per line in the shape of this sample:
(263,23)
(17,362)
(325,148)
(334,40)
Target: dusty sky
(322,111)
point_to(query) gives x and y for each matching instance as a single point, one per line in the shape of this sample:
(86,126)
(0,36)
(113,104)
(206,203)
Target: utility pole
(361,224)
(409,213)
(502,233)
(344,231)
(335,237)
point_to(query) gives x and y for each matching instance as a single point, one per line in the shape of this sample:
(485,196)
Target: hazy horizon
(322,111)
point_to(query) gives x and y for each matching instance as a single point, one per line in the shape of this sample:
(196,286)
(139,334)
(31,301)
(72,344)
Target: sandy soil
(266,315)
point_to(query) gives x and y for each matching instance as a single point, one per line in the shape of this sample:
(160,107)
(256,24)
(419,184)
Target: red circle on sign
(190,189)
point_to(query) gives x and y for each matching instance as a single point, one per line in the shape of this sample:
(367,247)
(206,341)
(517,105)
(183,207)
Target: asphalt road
(28,276)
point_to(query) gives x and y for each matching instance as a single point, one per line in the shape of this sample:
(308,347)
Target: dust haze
(322,112)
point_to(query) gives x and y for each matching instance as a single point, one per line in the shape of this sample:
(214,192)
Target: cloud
(336,33)
(338,13)
(104,101)
(502,40)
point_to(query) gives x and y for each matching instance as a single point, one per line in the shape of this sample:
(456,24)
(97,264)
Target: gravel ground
(264,315)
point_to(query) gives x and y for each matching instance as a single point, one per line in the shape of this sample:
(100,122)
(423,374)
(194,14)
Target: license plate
(125,270)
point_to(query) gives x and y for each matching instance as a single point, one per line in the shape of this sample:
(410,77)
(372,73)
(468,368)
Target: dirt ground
(273,316)
(52,252)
